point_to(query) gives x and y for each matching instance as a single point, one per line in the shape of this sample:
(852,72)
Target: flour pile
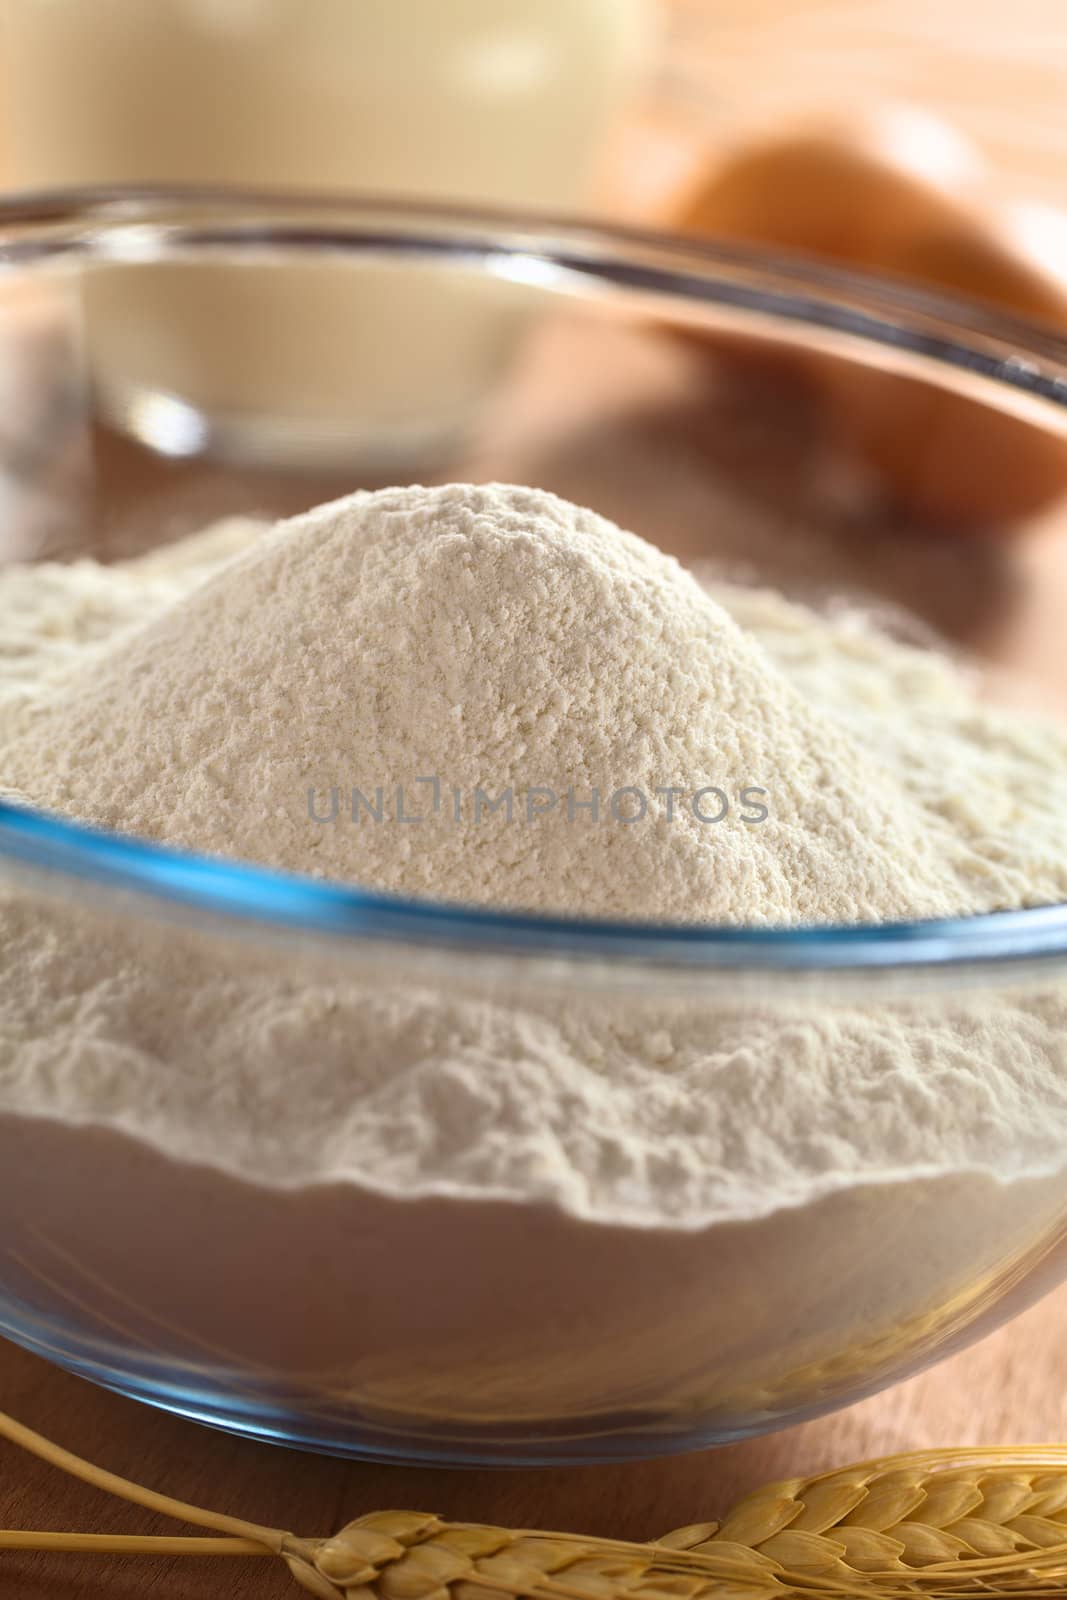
(290,695)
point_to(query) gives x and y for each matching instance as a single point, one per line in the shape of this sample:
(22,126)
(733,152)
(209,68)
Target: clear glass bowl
(171,358)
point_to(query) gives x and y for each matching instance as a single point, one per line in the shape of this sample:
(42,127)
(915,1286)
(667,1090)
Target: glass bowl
(173,358)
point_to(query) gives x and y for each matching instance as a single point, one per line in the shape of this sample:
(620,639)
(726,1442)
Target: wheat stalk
(939,1525)
(986,1522)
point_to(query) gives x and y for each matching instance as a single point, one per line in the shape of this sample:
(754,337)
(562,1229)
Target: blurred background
(996,73)
(115,90)
(922,141)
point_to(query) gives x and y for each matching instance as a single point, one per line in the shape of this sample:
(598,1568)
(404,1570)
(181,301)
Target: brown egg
(844,189)
(838,188)
(942,457)
(897,192)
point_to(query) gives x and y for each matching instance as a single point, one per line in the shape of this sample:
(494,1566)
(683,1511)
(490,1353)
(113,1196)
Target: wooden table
(1010,1388)
(1006,86)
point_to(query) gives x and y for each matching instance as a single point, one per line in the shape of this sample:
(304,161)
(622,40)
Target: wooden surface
(1006,86)
(1012,1387)
(996,72)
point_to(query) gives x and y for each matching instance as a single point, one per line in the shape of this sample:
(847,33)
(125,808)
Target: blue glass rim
(284,901)
(1005,353)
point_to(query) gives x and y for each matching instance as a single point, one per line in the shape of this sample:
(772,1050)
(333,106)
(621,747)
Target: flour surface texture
(484,662)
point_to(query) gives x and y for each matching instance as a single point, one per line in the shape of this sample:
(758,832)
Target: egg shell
(942,457)
(844,189)
(838,187)
(897,192)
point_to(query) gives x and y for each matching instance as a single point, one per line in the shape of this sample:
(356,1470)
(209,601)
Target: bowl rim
(145,222)
(1004,353)
(280,902)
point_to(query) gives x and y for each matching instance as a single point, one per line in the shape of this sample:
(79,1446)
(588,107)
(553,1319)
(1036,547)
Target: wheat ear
(970,1525)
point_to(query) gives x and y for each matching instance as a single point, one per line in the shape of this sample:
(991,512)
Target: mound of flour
(503,640)
(561,710)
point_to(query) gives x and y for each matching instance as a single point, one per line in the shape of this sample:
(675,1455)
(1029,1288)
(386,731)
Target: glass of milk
(506,102)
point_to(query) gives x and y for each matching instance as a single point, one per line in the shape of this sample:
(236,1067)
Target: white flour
(499,638)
